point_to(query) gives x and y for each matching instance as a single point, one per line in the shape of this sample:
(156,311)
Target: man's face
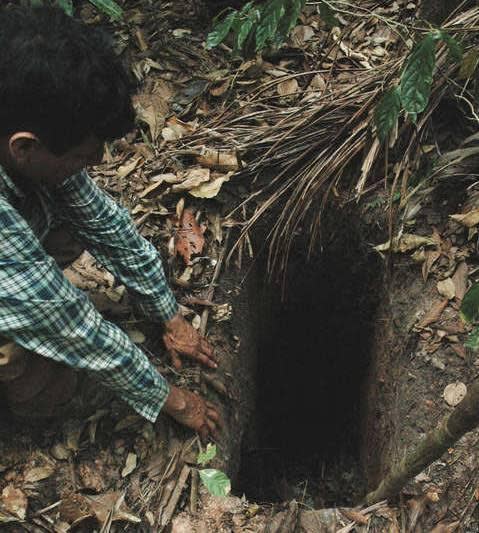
(32,160)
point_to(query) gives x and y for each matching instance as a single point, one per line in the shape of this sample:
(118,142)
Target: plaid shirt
(43,312)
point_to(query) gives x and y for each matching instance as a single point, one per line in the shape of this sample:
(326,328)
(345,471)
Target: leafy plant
(216,482)
(108,7)
(414,89)
(470,313)
(258,26)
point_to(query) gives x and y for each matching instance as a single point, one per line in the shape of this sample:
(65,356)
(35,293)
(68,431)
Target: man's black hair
(60,79)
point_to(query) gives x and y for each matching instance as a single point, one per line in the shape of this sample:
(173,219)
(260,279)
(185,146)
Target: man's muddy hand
(181,338)
(191,410)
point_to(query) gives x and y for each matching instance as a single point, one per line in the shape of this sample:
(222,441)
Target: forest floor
(185,175)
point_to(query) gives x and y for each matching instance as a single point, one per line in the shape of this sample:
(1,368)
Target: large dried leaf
(211,188)
(405,243)
(152,110)
(446,288)
(225,160)
(130,464)
(37,473)
(288,87)
(14,502)
(469,219)
(189,239)
(191,179)
(127,168)
(75,508)
(433,314)
(454,393)
(176,129)
(460,280)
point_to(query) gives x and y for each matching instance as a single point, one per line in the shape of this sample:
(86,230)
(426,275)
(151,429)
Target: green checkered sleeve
(110,235)
(41,311)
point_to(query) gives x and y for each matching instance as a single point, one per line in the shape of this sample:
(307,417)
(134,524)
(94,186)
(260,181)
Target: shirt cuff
(163,308)
(151,408)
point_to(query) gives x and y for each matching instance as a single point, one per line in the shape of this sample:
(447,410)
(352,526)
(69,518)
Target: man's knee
(34,385)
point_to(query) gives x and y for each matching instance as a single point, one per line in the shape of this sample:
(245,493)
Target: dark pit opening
(314,351)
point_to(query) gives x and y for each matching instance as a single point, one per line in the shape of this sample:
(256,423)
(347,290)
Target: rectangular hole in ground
(314,353)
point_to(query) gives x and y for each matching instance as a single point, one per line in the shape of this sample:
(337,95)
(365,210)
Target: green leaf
(470,304)
(271,15)
(215,481)
(327,14)
(469,64)
(208,455)
(455,49)
(288,22)
(221,30)
(387,112)
(472,341)
(252,16)
(416,79)
(109,7)
(66,5)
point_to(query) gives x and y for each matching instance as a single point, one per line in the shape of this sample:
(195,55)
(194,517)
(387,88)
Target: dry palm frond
(320,143)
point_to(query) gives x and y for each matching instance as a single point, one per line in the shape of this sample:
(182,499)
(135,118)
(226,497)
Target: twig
(194,490)
(175,496)
(464,418)
(211,289)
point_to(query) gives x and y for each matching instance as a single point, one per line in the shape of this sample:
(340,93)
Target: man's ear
(22,145)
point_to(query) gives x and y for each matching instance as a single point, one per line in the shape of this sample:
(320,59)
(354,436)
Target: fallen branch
(464,418)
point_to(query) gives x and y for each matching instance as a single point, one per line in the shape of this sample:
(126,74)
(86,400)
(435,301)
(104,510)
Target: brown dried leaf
(469,219)
(405,243)
(219,159)
(104,504)
(431,257)
(160,182)
(446,288)
(459,349)
(220,89)
(211,188)
(460,280)
(176,129)
(191,179)
(152,110)
(90,477)
(301,34)
(14,501)
(189,238)
(75,508)
(130,464)
(454,393)
(37,473)
(318,83)
(126,169)
(446,527)
(433,314)
(287,87)
(356,516)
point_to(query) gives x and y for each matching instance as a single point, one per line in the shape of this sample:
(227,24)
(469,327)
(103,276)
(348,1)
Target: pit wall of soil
(411,364)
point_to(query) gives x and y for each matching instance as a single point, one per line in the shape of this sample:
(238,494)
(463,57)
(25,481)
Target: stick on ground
(464,418)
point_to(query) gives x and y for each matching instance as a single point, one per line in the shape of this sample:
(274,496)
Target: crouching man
(63,93)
